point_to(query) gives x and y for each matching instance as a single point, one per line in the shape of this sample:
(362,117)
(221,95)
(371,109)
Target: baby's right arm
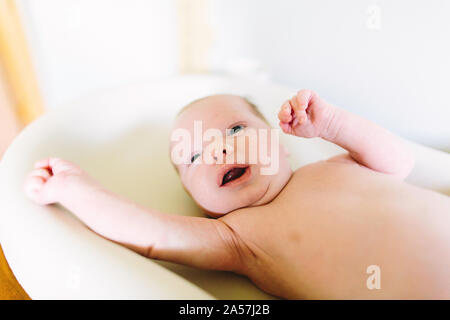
(198,242)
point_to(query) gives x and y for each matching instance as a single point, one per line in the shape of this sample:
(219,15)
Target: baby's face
(222,183)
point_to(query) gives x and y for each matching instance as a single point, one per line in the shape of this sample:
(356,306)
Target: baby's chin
(252,196)
(259,191)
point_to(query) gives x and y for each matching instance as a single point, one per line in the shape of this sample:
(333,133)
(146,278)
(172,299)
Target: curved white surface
(121,138)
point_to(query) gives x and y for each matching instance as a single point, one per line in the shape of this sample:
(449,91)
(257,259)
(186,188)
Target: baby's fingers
(35,182)
(55,165)
(286,127)
(37,187)
(33,187)
(300,111)
(285,113)
(302,99)
(45,163)
(42,173)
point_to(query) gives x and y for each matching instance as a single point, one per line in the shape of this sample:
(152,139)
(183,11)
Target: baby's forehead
(213,110)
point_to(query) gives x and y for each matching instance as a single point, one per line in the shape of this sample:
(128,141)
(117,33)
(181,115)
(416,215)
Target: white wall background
(80,46)
(387,60)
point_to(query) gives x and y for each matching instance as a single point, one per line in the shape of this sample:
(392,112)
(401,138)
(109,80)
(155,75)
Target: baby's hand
(305,115)
(50,178)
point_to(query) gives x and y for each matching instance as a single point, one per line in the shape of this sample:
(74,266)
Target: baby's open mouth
(233,174)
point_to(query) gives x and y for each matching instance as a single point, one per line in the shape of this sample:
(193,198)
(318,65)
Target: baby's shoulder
(321,176)
(334,165)
(313,169)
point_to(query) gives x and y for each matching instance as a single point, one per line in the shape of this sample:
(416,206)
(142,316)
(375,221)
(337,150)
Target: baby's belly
(334,221)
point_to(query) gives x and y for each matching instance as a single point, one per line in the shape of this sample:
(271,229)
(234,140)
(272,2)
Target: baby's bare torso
(334,220)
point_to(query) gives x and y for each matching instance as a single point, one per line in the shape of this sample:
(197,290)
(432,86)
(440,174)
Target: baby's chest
(322,185)
(311,204)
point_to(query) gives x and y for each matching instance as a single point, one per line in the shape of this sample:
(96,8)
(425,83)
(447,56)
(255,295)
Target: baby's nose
(223,152)
(220,151)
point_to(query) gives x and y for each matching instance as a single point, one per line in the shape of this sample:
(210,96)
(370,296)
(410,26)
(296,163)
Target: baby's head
(211,148)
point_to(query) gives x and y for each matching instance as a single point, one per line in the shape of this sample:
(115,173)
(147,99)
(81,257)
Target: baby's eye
(236,129)
(194,157)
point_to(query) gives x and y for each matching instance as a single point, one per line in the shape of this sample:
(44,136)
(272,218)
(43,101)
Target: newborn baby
(313,233)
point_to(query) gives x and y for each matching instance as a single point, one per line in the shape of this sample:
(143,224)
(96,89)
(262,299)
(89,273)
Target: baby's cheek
(201,192)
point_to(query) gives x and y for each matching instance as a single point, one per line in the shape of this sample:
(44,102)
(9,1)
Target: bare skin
(310,234)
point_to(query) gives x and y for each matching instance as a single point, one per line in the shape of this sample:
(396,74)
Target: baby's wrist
(71,187)
(332,124)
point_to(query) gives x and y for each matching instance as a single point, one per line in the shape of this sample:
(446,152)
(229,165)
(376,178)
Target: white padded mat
(121,138)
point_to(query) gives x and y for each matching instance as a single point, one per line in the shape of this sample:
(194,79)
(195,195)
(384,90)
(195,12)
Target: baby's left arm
(307,115)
